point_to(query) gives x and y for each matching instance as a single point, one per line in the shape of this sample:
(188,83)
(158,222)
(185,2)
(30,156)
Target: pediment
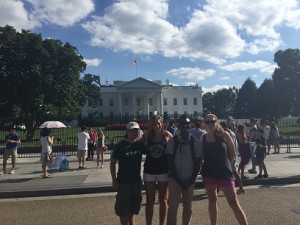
(140,83)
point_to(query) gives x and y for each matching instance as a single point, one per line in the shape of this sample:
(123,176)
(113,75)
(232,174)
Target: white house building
(144,97)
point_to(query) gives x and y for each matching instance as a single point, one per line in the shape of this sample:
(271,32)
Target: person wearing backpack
(217,150)
(183,157)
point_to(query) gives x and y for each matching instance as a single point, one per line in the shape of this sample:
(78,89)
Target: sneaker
(266,175)
(12,172)
(252,171)
(2,172)
(259,176)
(240,191)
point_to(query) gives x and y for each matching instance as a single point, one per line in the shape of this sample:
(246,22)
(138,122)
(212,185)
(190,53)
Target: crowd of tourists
(175,155)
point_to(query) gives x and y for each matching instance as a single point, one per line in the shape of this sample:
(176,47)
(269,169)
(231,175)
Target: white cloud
(215,88)
(268,69)
(14,14)
(293,19)
(225,78)
(191,74)
(61,12)
(215,32)
(262,66)
(219,31)
(93,62)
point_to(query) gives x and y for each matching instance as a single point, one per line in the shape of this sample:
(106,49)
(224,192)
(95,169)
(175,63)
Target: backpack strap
(191,142)
(176,145)
(192,145)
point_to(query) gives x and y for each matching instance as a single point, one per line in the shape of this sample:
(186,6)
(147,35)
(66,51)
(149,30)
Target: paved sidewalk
(28,181)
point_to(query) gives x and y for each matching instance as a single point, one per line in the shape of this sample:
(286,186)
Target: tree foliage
(264,103)
(39,77)
(244,107)
(220,102)
(287,82)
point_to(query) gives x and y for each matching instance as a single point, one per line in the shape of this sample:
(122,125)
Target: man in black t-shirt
(128,182)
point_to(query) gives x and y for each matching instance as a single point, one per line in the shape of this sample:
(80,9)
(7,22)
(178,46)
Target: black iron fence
(65,139)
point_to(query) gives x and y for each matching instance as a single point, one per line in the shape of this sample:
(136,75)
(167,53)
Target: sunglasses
(210,122)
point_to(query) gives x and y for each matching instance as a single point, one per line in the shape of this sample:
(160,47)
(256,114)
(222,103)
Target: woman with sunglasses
(217,150)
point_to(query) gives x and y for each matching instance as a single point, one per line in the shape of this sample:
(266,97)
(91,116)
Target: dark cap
(184,119)
(12,127)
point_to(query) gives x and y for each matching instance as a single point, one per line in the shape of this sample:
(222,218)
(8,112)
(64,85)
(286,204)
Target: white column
(120,104)
(133,105)
(147,104)
(161,104)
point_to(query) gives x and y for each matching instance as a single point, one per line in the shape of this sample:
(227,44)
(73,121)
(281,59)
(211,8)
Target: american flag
(134,63)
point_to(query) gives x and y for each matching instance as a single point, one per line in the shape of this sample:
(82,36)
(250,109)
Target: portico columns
(133,105)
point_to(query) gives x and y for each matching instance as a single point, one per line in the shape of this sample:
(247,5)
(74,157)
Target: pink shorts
(220,183)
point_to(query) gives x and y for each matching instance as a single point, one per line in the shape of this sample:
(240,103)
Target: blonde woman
(217,153)
(100,147)
(155,168)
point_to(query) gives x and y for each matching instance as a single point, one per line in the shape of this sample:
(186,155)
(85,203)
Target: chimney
(167,82)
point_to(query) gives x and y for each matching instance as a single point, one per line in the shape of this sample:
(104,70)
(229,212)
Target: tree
(208,103)
(245,99)
(287,82)
(38,78)
(92,83)
(220,102)
(224,100)
(264,102)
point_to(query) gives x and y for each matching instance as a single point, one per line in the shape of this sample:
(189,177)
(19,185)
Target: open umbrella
(53,124)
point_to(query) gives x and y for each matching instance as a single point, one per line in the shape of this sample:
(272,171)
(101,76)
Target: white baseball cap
(132,125)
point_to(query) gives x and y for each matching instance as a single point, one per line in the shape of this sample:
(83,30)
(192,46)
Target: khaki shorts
(12,153)
(81,153)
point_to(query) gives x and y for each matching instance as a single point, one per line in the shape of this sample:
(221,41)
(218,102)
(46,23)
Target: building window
(111,102)
(126,102)
(111,114)
(150,101)
(195,101)
(174,101)
(165,114)
(101,102)
(195,113)
(185,112)
(150,114)
(184,101)
(165,101)
(101,114)
(138,102)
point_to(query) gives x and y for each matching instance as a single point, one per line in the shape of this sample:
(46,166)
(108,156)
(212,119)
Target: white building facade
(144,97)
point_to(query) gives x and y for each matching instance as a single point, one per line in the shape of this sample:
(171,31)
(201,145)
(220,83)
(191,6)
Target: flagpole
(135,68)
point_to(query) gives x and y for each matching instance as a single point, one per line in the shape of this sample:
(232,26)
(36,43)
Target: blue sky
(213,43)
